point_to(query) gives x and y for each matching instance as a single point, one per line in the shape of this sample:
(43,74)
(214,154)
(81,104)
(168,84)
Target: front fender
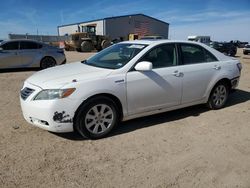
(85,90)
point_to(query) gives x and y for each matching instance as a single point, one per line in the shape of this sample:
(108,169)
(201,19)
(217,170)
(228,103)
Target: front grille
(26,92)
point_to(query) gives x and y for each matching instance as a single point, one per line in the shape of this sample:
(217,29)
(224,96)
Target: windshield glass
(115,56)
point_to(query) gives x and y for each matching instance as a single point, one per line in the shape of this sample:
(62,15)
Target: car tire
(218,96)
(47,62)
(96,117)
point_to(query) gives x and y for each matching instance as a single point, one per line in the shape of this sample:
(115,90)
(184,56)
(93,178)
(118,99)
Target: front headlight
(50,94)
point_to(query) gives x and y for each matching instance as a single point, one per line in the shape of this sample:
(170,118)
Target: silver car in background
(28,53)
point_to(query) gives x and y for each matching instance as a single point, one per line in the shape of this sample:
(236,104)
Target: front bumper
(52,115)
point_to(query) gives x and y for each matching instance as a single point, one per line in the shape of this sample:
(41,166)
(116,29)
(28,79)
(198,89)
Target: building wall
(42,38)
(123,26)
(69,29)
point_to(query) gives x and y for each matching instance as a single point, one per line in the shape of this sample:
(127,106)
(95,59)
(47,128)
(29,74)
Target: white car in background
(28,53)
(126,81)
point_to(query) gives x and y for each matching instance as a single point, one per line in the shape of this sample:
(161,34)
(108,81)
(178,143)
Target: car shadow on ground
(238,97)
(18,70)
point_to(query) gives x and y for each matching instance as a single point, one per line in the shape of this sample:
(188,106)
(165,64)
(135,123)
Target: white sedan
(126,81)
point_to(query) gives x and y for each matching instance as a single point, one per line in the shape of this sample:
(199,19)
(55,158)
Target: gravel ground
(192,147)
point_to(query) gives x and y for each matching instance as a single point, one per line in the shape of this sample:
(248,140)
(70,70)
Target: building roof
(114,17)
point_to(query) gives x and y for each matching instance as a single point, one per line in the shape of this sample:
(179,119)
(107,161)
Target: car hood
(59,76)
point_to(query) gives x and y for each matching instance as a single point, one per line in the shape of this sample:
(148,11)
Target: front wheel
(218,96)
(96,118)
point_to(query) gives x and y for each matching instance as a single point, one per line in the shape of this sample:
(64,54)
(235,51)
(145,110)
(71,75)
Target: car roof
(159,41)
(156,42)
(20,40)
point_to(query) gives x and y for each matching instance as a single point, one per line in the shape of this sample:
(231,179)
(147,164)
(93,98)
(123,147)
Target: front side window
(27,45)
(162,56)
(10,46)
(115,56)
(192,54)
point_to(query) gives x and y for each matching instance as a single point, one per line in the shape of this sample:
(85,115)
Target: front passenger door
(156,89)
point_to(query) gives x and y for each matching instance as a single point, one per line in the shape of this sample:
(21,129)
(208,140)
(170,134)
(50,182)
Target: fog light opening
(38,121)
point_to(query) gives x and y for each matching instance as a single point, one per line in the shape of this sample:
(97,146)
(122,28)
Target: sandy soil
(192,147)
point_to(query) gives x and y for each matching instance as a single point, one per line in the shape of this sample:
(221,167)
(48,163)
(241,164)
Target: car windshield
(115,56)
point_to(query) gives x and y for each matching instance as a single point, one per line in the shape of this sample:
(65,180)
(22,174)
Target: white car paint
(140,93)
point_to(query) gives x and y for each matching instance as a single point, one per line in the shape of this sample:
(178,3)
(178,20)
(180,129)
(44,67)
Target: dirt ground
(192,147)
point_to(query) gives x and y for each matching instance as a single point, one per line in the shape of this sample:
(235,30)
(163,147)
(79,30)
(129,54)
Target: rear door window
(192,54)
(28,45)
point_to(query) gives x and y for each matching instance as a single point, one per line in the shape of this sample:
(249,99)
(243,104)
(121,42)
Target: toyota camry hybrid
(128,80)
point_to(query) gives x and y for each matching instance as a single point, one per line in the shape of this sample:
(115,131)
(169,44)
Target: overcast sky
(223,20)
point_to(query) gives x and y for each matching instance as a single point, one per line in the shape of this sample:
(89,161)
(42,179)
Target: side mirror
(144,66)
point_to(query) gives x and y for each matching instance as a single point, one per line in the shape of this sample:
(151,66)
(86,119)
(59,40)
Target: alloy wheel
(219,95)
(99,119)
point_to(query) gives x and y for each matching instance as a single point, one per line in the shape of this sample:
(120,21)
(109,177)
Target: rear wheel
(47,62)
(218,96)
(96,118)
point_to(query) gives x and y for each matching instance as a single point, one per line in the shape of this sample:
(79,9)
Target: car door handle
(216,67)
(177,74)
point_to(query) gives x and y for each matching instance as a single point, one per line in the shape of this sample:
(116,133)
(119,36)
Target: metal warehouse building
(120,26)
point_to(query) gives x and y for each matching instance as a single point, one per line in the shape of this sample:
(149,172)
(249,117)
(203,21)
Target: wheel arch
(223,79)
(46,57)
(115,99)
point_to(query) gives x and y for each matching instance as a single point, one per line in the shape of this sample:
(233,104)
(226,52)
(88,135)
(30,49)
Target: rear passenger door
(199,67)
(30,53)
